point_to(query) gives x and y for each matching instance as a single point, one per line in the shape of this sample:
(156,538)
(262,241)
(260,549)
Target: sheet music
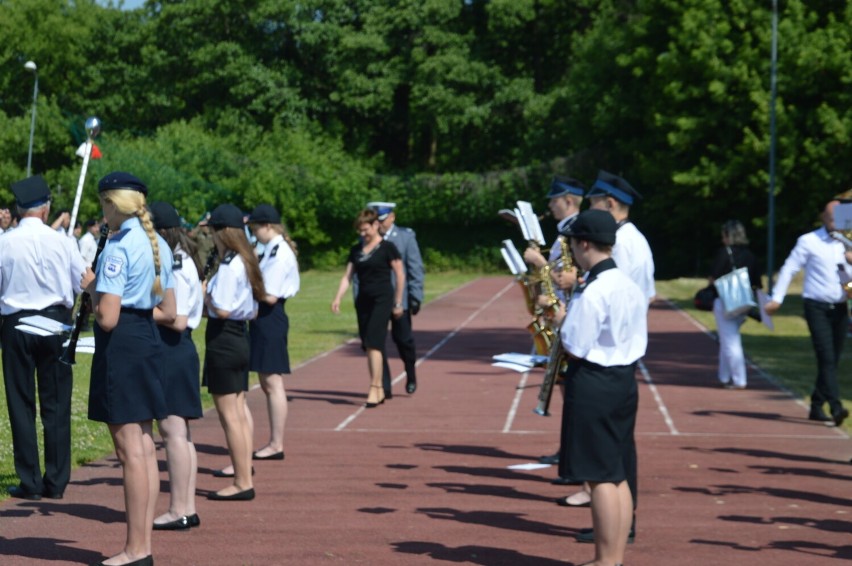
(529,222)
(843,216)
(513,258)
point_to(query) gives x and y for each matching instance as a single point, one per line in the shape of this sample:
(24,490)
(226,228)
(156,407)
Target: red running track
(725,477)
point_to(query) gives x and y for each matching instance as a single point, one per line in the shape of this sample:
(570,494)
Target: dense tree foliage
(454,108)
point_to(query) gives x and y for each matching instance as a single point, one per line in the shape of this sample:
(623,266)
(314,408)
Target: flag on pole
(96,152)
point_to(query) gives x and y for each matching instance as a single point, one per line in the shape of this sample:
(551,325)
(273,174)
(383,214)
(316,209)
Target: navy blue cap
(121,180)
(614,186)
(164,214)
(31,192)
(226,216)
(562,186)
(593,225)
(265,214)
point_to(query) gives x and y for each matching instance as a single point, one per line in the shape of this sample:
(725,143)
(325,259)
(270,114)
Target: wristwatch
(397,305)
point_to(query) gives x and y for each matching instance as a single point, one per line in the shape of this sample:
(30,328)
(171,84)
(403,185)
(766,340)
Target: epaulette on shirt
(228,257)
(274,251)
(119,235)
(178,263)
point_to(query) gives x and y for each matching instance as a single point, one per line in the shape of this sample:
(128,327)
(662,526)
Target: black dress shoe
(817,414)
(551,459)
(840,416)
(410,385)
(588,535)
(221,474)
(244,495)
(274,456)
(193,520)
(18,492)
(53,494)
(179,524)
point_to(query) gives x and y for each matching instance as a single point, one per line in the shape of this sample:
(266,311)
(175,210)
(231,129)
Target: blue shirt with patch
(126,266)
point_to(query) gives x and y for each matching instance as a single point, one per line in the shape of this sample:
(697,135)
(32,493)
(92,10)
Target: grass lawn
(785,353)
(314,329)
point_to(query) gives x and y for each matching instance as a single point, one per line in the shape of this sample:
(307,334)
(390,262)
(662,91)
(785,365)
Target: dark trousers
(403,336)
(24,357)
(827,323)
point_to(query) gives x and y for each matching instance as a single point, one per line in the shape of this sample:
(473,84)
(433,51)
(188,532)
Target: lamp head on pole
(31,66)
(93,127)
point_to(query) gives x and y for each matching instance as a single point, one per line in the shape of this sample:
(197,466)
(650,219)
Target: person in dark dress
(374,260)
(132,277)
(183,370)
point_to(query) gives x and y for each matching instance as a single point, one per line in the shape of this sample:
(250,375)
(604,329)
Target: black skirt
(268,335)
(226,361)
(182,373)
(600,416)
(127,371)
(374,314)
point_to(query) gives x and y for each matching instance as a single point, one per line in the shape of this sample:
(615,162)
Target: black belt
(827,303)
(51,308)
(140,312)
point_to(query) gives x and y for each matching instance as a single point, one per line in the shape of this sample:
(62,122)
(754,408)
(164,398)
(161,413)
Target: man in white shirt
(89,242)
(824,260)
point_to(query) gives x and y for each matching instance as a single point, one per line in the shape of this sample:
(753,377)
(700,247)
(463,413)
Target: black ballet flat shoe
(275,456)
(244,495)
(193,520)
(369,405)
(221,474)
(410,385)
(147,561)
(179,524)
(588,536)
(563,502)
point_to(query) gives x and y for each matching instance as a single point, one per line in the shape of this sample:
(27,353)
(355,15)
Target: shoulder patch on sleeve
(274,251)
(228,257)
(178,263)
(113,266)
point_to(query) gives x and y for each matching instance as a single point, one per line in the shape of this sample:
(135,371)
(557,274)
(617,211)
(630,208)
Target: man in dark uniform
(40,272)
(412,297)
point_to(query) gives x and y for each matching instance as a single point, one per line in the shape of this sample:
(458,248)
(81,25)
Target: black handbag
(704,298)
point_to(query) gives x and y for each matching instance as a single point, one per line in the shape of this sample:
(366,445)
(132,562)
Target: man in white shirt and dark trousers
(605,333)
(40,272)
(824,260)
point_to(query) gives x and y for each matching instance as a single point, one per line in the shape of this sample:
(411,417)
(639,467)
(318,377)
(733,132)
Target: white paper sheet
(47,324)
(762,299)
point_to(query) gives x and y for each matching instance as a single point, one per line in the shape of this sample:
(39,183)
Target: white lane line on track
(513,410)
(664,411)
(437,346)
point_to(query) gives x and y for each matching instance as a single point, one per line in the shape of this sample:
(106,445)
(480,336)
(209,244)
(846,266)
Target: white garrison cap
(382,208)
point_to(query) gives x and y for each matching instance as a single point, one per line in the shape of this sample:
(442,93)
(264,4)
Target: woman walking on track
(133,276)
(268,332)
(231,299)
(373,260)
(182,368)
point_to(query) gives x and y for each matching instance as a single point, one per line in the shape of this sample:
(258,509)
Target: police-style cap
(31,192)
(265,214)
(382,208)
(561,186)
(594,226)
(165,215)
(121,180)
(609,185)
(226,216)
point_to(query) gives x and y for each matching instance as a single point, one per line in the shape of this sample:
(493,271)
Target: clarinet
(69,356)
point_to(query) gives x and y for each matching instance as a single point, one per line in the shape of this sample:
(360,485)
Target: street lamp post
(31,66)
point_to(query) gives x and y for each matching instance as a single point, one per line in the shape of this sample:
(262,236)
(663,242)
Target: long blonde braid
(145,218)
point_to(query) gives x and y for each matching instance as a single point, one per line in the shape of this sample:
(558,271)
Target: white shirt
(39,268)
(819,254)
(607,321)
(230,290)
(88,247)
(187,289)
(280,269)
(632,255)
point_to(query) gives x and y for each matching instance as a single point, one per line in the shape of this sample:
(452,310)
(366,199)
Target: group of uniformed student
(604,332)
(148,292)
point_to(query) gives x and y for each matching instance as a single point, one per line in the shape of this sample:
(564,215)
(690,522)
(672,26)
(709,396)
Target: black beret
(31,192)
(614,186)
(561,186)
(594,226)
(165,215)
(226,216)
(265,214)
(121,180)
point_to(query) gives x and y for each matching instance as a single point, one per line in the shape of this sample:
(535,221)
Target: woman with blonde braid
(231,300)
(132,277)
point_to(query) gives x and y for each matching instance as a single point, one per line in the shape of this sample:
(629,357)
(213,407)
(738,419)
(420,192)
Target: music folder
(42,326)
(512,258)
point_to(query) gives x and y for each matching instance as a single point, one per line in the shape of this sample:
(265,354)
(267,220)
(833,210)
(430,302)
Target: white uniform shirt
(607,320)
(280,269)
(632,255)
(819,254)
(230,290)
(88,247)
(187,288)
(39,268)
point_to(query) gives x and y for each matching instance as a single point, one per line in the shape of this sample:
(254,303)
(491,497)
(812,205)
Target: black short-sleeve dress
(374,303)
